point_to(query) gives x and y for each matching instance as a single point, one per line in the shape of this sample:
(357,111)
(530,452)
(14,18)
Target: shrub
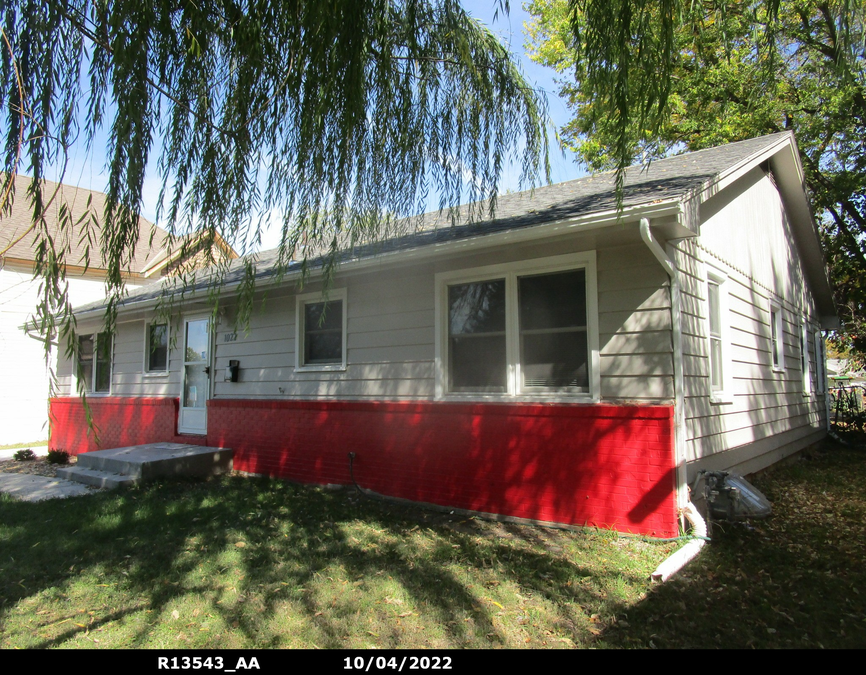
(58,457)
(24,455)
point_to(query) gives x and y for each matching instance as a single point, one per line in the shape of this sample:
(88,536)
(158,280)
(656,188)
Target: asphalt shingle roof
(16,223)
(667,179)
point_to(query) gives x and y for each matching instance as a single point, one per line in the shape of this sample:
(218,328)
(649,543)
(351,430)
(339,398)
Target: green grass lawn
(252,563)
(15,446)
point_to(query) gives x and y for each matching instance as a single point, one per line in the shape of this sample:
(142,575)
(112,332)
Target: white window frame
(95,337)
(145,368)
(300,330)
(510,272)
(724,395)
(805,363)
(777,349)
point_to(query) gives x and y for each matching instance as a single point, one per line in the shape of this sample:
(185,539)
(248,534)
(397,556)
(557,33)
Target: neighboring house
(25,377)
(563,362)
(845,370)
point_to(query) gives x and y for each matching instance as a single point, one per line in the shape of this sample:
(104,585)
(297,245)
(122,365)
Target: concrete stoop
(119,467)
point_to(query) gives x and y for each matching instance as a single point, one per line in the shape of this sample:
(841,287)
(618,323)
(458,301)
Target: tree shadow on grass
(270,564)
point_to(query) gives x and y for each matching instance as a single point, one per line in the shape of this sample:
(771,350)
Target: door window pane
(195,377)
(195,384)
(196,341)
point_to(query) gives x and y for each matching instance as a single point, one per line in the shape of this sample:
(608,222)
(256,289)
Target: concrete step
(102,479)
(95,461)
(155,460)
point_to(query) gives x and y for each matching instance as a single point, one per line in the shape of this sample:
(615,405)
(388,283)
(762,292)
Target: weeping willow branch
(339,116)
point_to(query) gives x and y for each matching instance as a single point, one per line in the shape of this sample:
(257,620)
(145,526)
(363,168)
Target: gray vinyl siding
(634,326)
(748,239)
(127,376)
(390,344)
(391,328)
(391,333)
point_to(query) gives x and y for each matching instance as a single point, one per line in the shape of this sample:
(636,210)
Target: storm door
(196,376)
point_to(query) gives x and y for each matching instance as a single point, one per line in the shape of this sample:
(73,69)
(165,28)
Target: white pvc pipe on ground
(679,558)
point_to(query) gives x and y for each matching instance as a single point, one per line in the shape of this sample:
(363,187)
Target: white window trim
(726,394)
(310,298)
(777,352)
(93,392)
(805,362)
(144,369)
(510,272)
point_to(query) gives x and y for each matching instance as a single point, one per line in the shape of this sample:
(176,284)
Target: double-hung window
(320,336)
(805,366)
(717,363)
(94,363)
(718,336)
(820,363)
(777,341)
(522,329)
(156,348)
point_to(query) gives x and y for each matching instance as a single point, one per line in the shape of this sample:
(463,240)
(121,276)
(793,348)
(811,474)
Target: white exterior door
(196,375)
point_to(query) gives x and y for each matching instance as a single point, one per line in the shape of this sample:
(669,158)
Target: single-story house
(564,361)
(24,382)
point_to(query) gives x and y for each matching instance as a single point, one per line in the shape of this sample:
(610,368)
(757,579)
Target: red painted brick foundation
(610,466)
(118,422)
(602,465)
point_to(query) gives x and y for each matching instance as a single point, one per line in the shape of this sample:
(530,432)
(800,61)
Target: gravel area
(35,467)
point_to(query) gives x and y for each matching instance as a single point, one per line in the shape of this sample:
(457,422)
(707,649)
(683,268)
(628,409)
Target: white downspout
(686,508)
(677,335)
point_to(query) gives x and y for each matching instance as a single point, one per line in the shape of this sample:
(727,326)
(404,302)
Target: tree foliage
(338,114)
(646,78)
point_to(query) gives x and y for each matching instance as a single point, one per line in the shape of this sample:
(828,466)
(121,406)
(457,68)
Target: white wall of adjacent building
(24,374)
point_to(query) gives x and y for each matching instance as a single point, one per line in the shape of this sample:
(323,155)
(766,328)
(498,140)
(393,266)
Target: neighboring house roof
(668,186)
(844,368)
(86,209)
(187,251)
(152,257)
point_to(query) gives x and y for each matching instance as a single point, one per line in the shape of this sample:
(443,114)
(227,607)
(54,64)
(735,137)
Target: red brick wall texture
(599,465)
(117,423)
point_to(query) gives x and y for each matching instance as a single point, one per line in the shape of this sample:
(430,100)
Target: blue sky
(509,29)
(86,169)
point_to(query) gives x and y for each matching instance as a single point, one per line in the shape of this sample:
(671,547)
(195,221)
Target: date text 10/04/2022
(377,663)
(393,663)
